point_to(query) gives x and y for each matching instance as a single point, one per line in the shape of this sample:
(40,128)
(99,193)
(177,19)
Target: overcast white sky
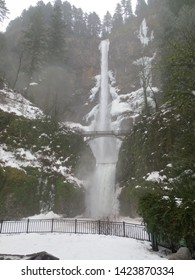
(99,6)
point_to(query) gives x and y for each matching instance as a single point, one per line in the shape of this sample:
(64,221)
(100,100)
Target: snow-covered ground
(78,247)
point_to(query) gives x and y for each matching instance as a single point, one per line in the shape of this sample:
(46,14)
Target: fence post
(124,232)
(149,236)
(52,225)
(154,242)
(27,225)
(99,227)
(75,227)
(1,226)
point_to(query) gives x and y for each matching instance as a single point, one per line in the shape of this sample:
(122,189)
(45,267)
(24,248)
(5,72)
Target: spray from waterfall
(101,199)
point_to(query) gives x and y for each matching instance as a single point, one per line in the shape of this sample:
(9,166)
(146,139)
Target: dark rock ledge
(36,256)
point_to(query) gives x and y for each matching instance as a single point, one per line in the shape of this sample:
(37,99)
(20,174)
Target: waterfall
(101,199)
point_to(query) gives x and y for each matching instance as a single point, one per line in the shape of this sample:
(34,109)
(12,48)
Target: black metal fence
(122,229)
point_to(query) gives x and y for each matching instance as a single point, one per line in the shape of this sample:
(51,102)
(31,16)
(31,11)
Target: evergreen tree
(3,13)
(46,11)
(57,51)
(35,46)
(127,9)
(107,25)
(3,10)
(19,50)
(93,25)
(141,9)
(176,5)
(2,58)
(117,20)
(68,16)
(79,23)
(178,60)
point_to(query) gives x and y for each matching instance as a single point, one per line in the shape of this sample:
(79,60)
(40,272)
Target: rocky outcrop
(37,256)
(182,254)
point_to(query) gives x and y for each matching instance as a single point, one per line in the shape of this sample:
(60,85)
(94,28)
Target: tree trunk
(18,71)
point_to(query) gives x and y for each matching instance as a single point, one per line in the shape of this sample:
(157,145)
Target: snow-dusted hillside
(38,155)
(13,102)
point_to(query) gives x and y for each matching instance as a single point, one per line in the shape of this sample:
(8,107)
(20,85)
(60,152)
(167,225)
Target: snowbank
(48,215)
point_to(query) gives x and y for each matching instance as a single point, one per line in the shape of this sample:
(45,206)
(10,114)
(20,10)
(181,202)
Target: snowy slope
(39,155)
(13,102)
(19,158)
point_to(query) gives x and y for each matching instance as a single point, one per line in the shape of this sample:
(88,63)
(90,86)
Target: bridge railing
(106,133)
(122,229)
